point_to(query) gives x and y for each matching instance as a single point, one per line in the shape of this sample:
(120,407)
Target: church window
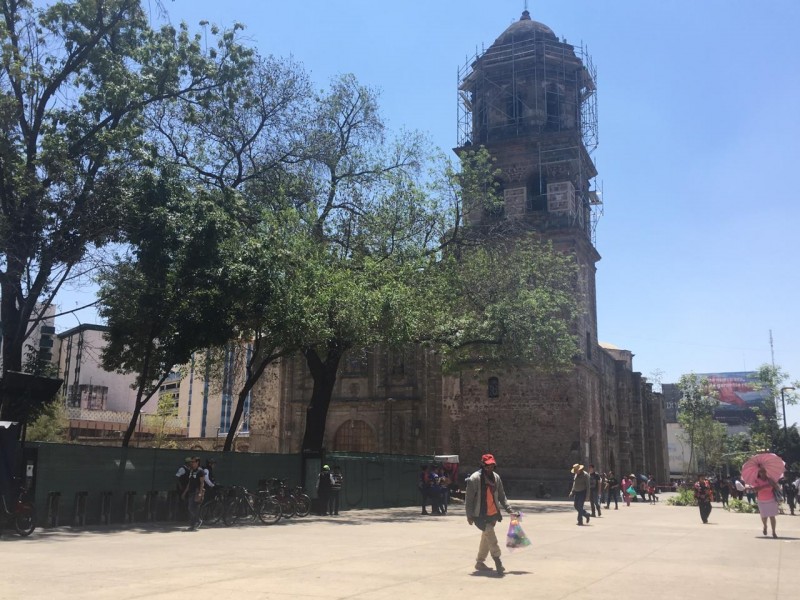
(537,193)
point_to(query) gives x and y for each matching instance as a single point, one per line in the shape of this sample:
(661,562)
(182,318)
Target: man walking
(324,486)
(612,487)
(789,491)
(194,492)
(337,481)
(580,487)
(484,497)
(594,490)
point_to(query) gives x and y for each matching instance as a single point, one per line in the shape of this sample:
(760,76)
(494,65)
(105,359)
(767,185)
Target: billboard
(738,394)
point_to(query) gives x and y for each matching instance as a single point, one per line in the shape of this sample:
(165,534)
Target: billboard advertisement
(738,394)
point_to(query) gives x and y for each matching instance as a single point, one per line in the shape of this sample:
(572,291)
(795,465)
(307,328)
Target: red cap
(488,459)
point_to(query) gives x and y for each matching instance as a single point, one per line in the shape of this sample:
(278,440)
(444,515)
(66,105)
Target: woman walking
(703,494)
(624,484)
(765,488)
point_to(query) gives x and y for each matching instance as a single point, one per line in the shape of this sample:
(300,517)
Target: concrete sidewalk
(648,551)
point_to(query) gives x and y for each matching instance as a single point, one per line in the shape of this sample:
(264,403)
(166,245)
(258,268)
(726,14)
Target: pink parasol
(772,463)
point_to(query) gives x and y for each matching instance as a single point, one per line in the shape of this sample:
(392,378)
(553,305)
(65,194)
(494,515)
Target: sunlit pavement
(647,551)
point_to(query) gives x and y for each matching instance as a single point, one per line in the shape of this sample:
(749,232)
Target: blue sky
(698,127)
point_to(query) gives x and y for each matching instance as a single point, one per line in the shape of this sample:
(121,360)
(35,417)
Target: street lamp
(783,405)
(390,402)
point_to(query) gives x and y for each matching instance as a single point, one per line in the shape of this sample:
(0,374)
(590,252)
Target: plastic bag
(631,491)
(516,538)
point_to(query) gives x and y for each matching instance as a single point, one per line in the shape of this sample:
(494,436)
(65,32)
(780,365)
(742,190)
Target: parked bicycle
(22,513)
(213,509)
(243,506)
(279,491)
(302,500)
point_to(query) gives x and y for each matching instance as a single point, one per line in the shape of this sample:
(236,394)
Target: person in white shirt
(739,488)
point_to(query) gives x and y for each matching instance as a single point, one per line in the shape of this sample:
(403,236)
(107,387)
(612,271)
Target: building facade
(99,404)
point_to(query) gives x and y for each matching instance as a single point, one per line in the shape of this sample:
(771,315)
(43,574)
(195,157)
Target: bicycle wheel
(212,512)
(249,506)
(25,519)
(288,506)
(303,503)
(230,515)
(269,511)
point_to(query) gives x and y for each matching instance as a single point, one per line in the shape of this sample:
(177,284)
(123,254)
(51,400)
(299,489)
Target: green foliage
(165,413)
(767,432)
(738,449)
(741,506)
(36,364)
(695,415)
(507,304)
(684,497)
(88,92)
(51,425)
(176,276)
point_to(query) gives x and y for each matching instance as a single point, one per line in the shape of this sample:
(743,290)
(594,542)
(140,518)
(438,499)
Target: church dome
(525,29)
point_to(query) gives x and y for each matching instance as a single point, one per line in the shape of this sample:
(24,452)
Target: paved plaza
(647,551)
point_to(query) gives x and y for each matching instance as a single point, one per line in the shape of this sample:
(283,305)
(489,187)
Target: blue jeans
(580,498)
(594,501)
(194,512)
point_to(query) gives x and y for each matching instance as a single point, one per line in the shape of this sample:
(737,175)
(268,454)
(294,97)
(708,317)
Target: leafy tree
(695,410)
(170,296)
(711,443)
(395,264)
(268,302)
(166,412)
(767,431)
(51,425)
(366,225)
(504,305)
(76,81)
(738,449)
(244,142)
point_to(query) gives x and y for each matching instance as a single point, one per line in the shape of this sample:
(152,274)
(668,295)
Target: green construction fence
(88,485)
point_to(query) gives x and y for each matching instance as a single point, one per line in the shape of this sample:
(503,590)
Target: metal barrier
(98,478)
(105,508)
(175,508)
(151,505)
(129,507)
(79,515)
(53,505)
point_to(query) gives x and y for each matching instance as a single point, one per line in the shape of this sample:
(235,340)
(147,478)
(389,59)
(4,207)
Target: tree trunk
(139,405)
(137,410)
(324,374)
(11,317)
(253,375)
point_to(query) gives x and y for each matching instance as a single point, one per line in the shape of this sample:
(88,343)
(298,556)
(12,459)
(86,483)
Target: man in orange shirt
(484,496)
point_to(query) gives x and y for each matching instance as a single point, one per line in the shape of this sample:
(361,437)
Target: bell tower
(530,99)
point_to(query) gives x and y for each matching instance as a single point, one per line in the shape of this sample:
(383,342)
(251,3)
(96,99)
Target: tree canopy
(77,81)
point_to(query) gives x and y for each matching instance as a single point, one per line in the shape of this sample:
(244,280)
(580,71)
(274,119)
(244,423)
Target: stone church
(530,99)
